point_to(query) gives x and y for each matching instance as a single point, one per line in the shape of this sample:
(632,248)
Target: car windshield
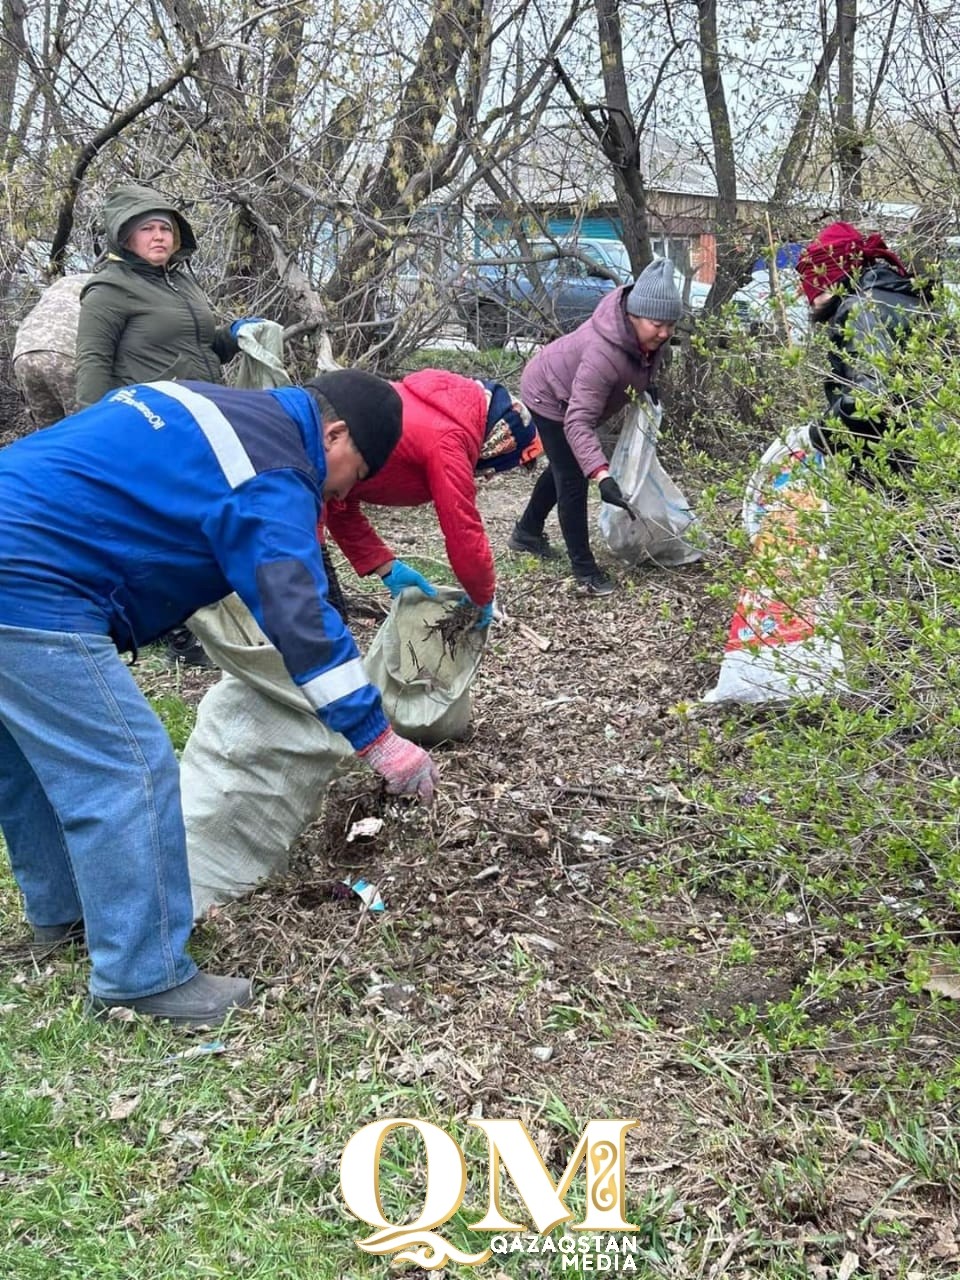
(612,253)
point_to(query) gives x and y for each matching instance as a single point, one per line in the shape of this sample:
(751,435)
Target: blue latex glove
(401,575)
(238,324)
(486,613)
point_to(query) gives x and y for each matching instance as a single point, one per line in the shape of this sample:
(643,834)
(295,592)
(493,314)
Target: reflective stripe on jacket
(126,518)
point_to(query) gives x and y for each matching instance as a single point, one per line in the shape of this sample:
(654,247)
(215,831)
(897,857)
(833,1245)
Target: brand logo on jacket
(125,396)
(590,1243)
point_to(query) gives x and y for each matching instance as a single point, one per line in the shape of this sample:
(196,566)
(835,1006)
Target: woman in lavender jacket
(571,386)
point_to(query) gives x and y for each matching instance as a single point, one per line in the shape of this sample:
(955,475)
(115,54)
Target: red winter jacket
(444,419)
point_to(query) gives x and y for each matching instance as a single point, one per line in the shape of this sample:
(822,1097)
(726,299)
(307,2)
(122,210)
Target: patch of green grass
(178,718)
(495,363)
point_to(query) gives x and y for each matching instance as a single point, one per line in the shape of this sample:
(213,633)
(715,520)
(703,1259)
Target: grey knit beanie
(654,295)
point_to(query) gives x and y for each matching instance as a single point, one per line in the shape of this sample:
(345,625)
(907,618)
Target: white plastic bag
(664,528)
(777,650)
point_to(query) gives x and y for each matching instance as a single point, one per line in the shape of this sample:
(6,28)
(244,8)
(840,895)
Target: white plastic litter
(257,766)
(665,528)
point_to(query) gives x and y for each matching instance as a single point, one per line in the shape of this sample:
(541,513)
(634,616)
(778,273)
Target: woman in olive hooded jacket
(140,320)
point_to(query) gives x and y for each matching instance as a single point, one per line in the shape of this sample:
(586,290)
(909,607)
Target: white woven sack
(425,688)
(256,768)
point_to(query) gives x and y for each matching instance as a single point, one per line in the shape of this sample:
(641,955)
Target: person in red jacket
(454,428)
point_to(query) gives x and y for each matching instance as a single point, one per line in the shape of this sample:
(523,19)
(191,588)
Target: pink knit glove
(407,768)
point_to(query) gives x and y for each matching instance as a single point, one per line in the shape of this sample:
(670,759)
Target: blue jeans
(90,808)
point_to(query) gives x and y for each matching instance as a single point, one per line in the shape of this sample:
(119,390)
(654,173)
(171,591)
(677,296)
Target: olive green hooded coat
(141,323)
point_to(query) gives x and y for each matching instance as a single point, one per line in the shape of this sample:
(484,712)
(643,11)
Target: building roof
(564,165)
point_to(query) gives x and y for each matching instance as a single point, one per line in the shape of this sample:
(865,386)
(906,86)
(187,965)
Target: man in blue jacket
(118,523)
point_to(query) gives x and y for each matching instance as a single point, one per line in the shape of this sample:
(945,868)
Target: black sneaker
(596,584)
(532,544)
(184,647)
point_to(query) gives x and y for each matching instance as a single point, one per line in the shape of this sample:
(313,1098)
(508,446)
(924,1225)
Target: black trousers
(564,486)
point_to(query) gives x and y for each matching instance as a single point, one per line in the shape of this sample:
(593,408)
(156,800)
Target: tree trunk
(406,171)
(735,252)
(847,146)
(621,139)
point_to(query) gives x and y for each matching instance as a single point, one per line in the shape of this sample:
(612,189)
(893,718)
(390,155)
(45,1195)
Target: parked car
(758,309)
(497,301)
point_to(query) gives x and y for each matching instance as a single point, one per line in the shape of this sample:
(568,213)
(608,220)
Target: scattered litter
(538,940)
(849,1263)
(560,702)
(121,1013)
(594,837)
(198,1051)
(364,829)
(121,1108)
(911,910)
(668,791)
(487,873)
(395,996)
(543,1052)
(943,980)
(369,893)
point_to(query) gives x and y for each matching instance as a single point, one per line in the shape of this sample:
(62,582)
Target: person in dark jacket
(858,287)
(103,548)
(571,386)
(144,317)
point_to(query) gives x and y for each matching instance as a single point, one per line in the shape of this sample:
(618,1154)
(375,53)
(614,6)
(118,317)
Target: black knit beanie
(371,408)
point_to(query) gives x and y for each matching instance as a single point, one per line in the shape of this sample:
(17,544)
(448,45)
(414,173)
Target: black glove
(610,492)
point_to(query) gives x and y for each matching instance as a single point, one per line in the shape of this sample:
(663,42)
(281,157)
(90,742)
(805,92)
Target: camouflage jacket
(52,324)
